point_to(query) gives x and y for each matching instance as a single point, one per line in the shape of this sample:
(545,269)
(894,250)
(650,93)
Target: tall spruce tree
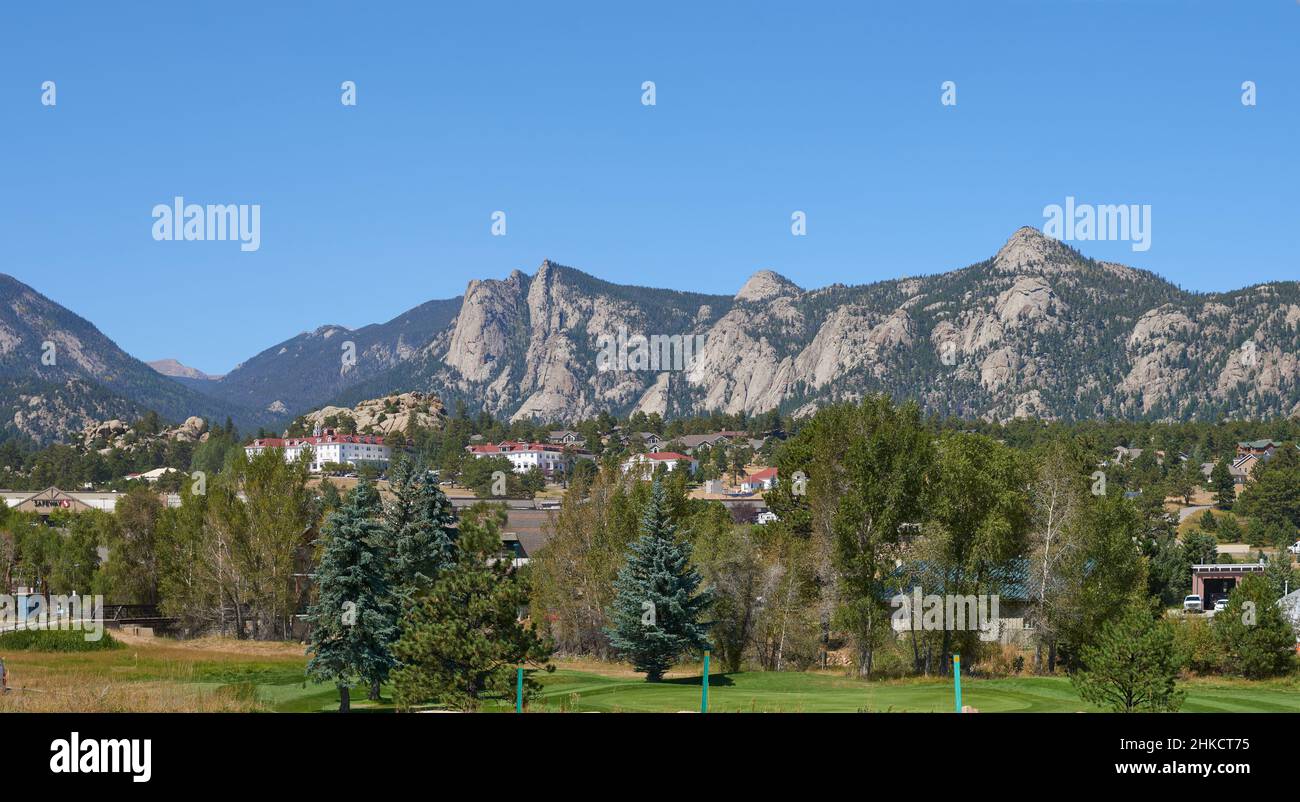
(420,528)
(353,617)
(658,602)
(462,641)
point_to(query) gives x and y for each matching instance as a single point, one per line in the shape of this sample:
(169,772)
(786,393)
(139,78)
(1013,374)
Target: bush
(1196,642)
(55,640)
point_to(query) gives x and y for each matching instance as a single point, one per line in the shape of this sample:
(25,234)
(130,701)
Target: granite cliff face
(1037,330)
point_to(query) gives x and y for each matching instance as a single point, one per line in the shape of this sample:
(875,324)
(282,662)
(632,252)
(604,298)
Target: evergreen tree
(353,616)
(1229,530)
(1133,666)
(462,641)
(419,529)
(1256,637)
(1225,489)
(656,610)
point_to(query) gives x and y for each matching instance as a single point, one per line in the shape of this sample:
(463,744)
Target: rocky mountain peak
(175,368)
(1030,250)
(765,285)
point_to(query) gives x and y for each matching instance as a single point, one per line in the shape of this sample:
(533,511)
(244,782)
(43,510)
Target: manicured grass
(791,692)
(239,676)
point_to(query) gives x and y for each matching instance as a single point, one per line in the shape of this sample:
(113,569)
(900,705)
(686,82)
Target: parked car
(1220,605)
(1294,548)
(1192,604)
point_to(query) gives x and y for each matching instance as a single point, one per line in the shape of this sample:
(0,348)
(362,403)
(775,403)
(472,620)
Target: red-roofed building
(759,480)
(646,464)
(328,446)
(525,456)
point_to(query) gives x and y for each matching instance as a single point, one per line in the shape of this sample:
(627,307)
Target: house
(650,439)
(328,446)
(565,437)
(1244,465)
(152,476)
(546,457)
(645,465)
(690,442)
(1260,448)
(1125,454)
(759,481)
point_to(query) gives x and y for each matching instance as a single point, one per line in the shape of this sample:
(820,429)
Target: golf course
(224,675)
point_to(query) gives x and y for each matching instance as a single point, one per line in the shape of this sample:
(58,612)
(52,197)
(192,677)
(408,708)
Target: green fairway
(235,676)
(790,692)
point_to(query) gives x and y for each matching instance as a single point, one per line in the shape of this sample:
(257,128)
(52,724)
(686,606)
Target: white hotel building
(327,446)
(526,456)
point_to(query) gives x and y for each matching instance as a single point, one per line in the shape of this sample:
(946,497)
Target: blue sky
(534,109)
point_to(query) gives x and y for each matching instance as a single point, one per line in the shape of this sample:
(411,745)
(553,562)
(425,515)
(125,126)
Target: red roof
(315,440)
(761,476)
(666,456)
(509,446)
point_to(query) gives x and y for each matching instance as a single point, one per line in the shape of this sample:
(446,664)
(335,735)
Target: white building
(524,457)
(759,481)
(646,464)
(327,447)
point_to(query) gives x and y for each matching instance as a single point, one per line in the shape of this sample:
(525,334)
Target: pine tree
(462,641)
(1255,635)
(656,609)
(1225,488)
(353,616)
(1133,666)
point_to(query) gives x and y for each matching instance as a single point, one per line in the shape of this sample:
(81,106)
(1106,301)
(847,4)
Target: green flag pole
(956,679)
(704,687)
(519,690)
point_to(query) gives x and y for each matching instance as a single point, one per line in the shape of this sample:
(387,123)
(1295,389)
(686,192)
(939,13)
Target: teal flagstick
(956,679)
(704,687)
(519,691)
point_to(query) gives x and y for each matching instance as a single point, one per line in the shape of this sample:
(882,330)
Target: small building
(645,465)
(1217,580)
(152,476)
(759,481)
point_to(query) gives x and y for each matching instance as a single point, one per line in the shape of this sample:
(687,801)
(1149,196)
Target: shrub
(55,640)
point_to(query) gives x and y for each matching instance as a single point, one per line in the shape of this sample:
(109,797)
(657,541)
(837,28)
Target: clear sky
(535,109)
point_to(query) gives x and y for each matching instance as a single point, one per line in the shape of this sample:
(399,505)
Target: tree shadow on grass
(715,681)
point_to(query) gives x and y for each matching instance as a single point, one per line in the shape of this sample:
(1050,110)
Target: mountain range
(1037,330)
